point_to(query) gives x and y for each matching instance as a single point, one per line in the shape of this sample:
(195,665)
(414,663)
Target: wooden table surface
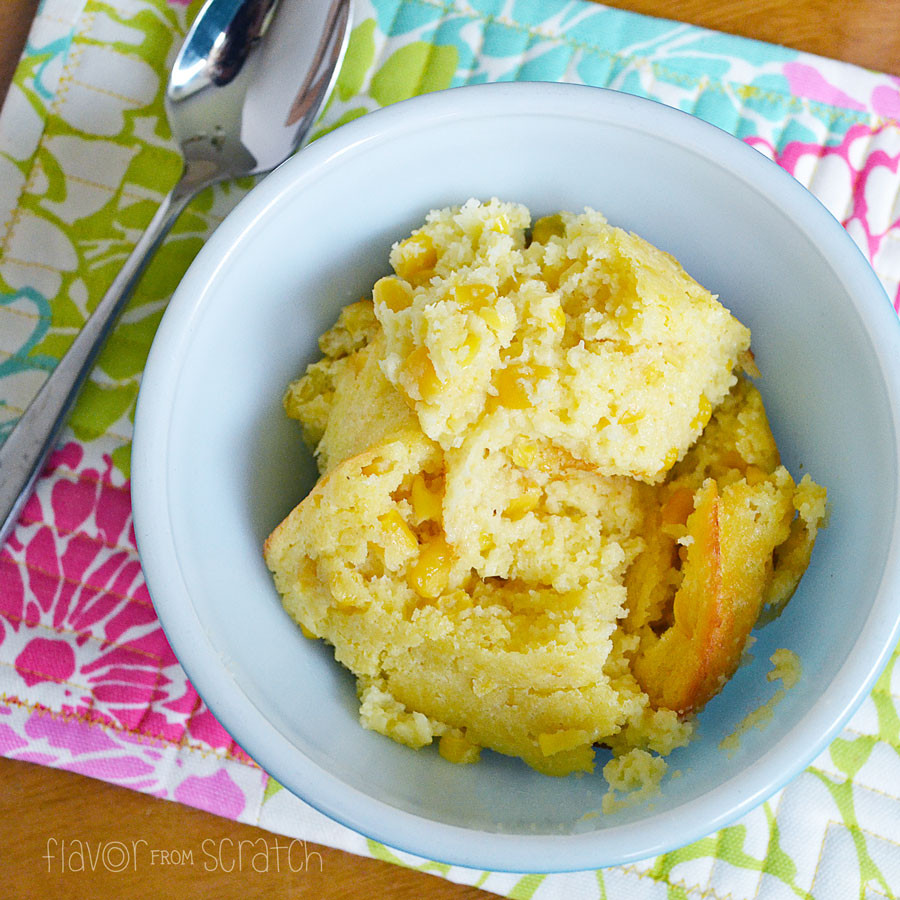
(39,805)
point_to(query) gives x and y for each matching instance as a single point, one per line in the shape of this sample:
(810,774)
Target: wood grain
(65,835)
(42,807)
(15,19)
(864,32)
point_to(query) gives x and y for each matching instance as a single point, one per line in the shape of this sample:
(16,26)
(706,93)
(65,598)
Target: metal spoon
(244,91)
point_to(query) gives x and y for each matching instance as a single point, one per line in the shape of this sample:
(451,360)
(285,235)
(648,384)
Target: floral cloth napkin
(87,680)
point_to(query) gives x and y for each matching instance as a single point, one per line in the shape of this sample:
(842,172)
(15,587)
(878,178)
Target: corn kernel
(398,532)
(678,507)
(431,573)
(469,349)
(511,390)
(491,318)
(307,633)
(552,275)
(512,283)
(523,453)
(307,572)
(547,227)
(348,602)
(426,503)
(474,296)
(455,748)
(457,600)
(378,466)
(419,369)
(755,475)
(671,458)
(417,257)
(348,591)
(392,293)
(500,224)
(630,417)
(626,316)
(557,741)
(703,414)
(521,506)
(557,320)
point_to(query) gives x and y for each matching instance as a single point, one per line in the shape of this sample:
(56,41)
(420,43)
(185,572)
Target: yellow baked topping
(587,332)
(551,508)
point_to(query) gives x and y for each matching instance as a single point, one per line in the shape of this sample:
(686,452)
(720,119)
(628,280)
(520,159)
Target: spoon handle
(24,452)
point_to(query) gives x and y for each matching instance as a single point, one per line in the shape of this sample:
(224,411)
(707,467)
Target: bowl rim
(203,663)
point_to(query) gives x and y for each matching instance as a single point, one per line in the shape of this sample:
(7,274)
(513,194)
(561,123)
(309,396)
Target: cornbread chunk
(551,507)
(727,538)
(787,669)
(542,516)
(636,775)
(513,664)
(326,399)
(612,350)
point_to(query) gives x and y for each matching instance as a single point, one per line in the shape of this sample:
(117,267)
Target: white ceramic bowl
(216,464)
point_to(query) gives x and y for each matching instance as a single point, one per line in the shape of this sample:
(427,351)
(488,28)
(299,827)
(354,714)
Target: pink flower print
(118,769)
(215,793)
(805,81)
(10,741)
(113,513)
(858,180)
(44,574)
(76,573)
(68,456)
(73,502)
(68,734)
(45,660)
(12,597)
(206,728)
(90,645)
(886,101)
(64,742)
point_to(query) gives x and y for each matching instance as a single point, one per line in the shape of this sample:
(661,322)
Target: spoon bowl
(249,81)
